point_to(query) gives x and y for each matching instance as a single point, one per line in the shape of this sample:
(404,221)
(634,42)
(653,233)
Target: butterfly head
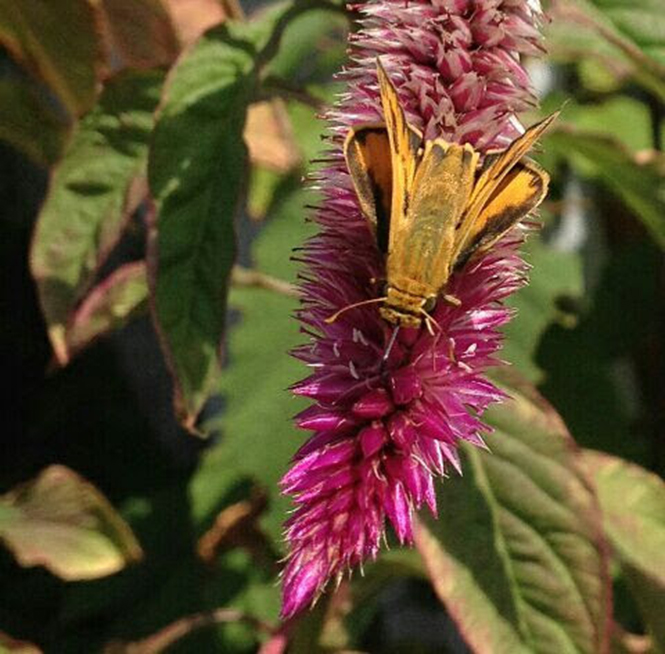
(405,309)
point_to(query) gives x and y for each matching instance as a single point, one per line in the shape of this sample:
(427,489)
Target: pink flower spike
(374,404)
(390,408)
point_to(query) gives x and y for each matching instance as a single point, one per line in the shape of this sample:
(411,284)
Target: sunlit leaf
(516,554)
(633,505)
(111,304)
(87,204)
(57,41)
(64,523)
(139,33)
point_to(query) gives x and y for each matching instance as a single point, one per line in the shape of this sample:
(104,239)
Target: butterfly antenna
(391,343)
(335,316)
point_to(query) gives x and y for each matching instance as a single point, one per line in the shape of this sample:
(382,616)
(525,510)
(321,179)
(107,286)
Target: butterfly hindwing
(496,168)
(369,161)
(519,193)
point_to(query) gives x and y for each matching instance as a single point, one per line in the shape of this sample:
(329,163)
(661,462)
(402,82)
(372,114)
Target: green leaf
(259,366)
(62,522)
(554,274)
(308,42)
(639,183)
(28,123)
(633,505)
(642,22)
(57,41)
(110,305)
(263,187)
(197,174)
(632,33)
(623,118)
(516,554)
(89,199)
(256,381)
(600,66)
(588,374)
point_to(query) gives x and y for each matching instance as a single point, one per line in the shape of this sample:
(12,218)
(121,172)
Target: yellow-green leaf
(28,123)
(56,41)
(638,181)
(62,522)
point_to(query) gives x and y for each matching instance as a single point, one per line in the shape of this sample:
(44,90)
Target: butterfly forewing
(405,143)
(423,238)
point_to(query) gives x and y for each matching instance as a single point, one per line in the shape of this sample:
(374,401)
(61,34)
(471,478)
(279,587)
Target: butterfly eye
(430,303)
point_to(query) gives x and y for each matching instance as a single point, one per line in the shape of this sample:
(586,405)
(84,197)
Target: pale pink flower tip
(383,429)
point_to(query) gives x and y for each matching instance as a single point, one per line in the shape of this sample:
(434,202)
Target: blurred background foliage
(151,156)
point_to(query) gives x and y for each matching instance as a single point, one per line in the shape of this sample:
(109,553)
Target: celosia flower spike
(386,420)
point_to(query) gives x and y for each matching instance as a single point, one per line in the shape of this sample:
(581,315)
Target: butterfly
(432,205)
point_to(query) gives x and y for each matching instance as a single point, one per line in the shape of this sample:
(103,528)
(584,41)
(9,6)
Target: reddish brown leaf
(193,17)
(110,305)
(269,137)
(138,33)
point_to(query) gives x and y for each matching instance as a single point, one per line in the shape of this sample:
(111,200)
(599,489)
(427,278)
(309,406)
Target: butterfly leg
(451,299)
(431,324)
(390,345)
